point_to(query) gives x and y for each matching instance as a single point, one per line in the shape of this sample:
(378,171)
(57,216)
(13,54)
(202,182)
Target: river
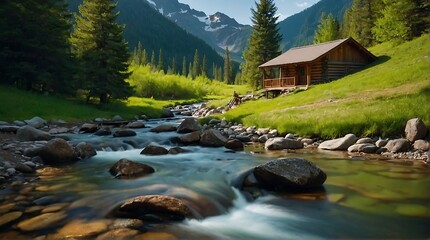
(363,197)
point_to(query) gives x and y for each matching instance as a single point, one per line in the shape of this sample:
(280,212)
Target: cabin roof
(312,52)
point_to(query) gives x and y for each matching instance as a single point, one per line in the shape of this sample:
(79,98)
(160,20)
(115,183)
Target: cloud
(302,4)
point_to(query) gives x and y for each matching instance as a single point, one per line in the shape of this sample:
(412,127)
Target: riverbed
(363,197)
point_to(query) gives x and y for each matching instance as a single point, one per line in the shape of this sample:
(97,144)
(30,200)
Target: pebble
(82,229)
(127,223)
(9,217)
(156,235)
(11,171)
(46,200)
(120,233)
(42,221)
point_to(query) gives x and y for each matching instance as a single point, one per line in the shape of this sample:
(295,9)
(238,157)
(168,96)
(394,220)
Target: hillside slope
(376,101)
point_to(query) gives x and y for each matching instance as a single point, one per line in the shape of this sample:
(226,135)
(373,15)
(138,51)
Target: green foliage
(196,65)
(264,42)
(34,49)
(98,43)
(328,29)
(376,101)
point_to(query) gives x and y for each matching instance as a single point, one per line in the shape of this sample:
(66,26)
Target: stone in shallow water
(54,207)
(154,150)
(120,233)
(127,223)
(82,229)
(125,167)
(415,210)
(335,197)
(156,235)
(9,217)
(42,221)
(7,207)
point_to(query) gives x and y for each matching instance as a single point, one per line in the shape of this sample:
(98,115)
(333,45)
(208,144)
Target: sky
(241,9)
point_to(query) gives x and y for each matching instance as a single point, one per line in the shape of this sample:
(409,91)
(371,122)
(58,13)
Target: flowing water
(363,198)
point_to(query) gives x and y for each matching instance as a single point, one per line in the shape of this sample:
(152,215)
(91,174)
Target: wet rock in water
(339,143)
(58,151)
(46,220)
(189,125)
(85,150)
(47,200)
(189,138)
(9,217)
(119,233)
(29,133)
(58,130)
(103,132)
(137,124)
(177,150)
(36,122)
(164,128)
(24,168)
(124,133)
(165,207)
(167,113)
(415,129)
(279,143)
(290,174)
(421,145)
(82,229)
(7,207)
(127,223)
(363,147)
(156,235)
(89,128)
(125,167)
(154,150)
(234,144)
(398,145)
(54,207)
(212,138)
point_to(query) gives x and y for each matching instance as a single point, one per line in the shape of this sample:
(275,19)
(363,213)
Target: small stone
(117,118)
(46,220)
(89,128)
(125,167)
(120,233)
(82,229)
(339,143)
(307,141)
(103,132)
(127,223)
(137,124)
(177,150)
(124,133)
(11,171)
(24,168)
(398,145)
(421,145)
(164,128)
(54,207)
(167,113)
(189,138)
(234,144)
(272,133)
(364,140)
(154,150)
(156,235)
(9,217)
(46,200)
(290,136)
(212,138)
(381,143)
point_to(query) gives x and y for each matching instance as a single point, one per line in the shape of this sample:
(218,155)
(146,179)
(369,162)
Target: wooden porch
(279,83)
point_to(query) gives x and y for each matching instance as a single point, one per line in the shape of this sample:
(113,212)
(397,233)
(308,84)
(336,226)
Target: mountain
(299,29)
(155,32)
(218,30)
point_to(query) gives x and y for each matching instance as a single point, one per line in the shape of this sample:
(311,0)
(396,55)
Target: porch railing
(280,82)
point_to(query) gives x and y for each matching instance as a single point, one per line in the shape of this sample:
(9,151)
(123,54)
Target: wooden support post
(308,75)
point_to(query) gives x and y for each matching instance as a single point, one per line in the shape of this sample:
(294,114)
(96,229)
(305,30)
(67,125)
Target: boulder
(364,140)
(8,129)
(19,123)
(36,122)
(234,144)
(189,125)
(289,174)
(29,133)
(398,145)
(89,128)
(166,207)
(24,168)
(212,138)
(103,132)
(415,129)
(164,128)
(421,145)
(177,150)
(279,143)
(339,143)
(363,147)
(262,139)
(137,124)
(154,150)
(85,150)
(124,133)
(189,138)
(167,113)
(381,143)
(125,167)
(57,151)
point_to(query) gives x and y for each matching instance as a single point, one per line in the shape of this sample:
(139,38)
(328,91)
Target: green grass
(376,101)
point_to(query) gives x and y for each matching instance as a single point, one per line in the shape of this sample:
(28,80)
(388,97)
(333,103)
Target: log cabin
(302,66)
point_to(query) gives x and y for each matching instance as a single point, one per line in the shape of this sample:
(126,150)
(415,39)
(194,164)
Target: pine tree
(34,48)
(204,67)
(190,71)
(396,21)
(227,67)
(160,64)
(144,60)
(174,71)
(328,29)
(264,42)
(196,65)
(153,65)
(184,66)
(99,44)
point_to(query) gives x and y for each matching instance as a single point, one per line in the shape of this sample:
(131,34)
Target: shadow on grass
(379,60)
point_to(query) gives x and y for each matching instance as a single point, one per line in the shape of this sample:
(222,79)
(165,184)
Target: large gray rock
(164,128)
(105,131)
(154,150)
(168,208)
(128,168)
(234,144)
(167,113)
(8,129)
(363,147)
(58,151)
(289,174)
(36,122)
(136,124)
(89,128)
(279,143)
(124,133)
(85,150)
(398,145)
(339,143)
(415,129)
(189,138)
(421,145)
(212,138)
(189,125)
(29,133)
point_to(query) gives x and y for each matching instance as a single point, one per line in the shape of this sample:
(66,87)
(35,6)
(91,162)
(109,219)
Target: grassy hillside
(376,101)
